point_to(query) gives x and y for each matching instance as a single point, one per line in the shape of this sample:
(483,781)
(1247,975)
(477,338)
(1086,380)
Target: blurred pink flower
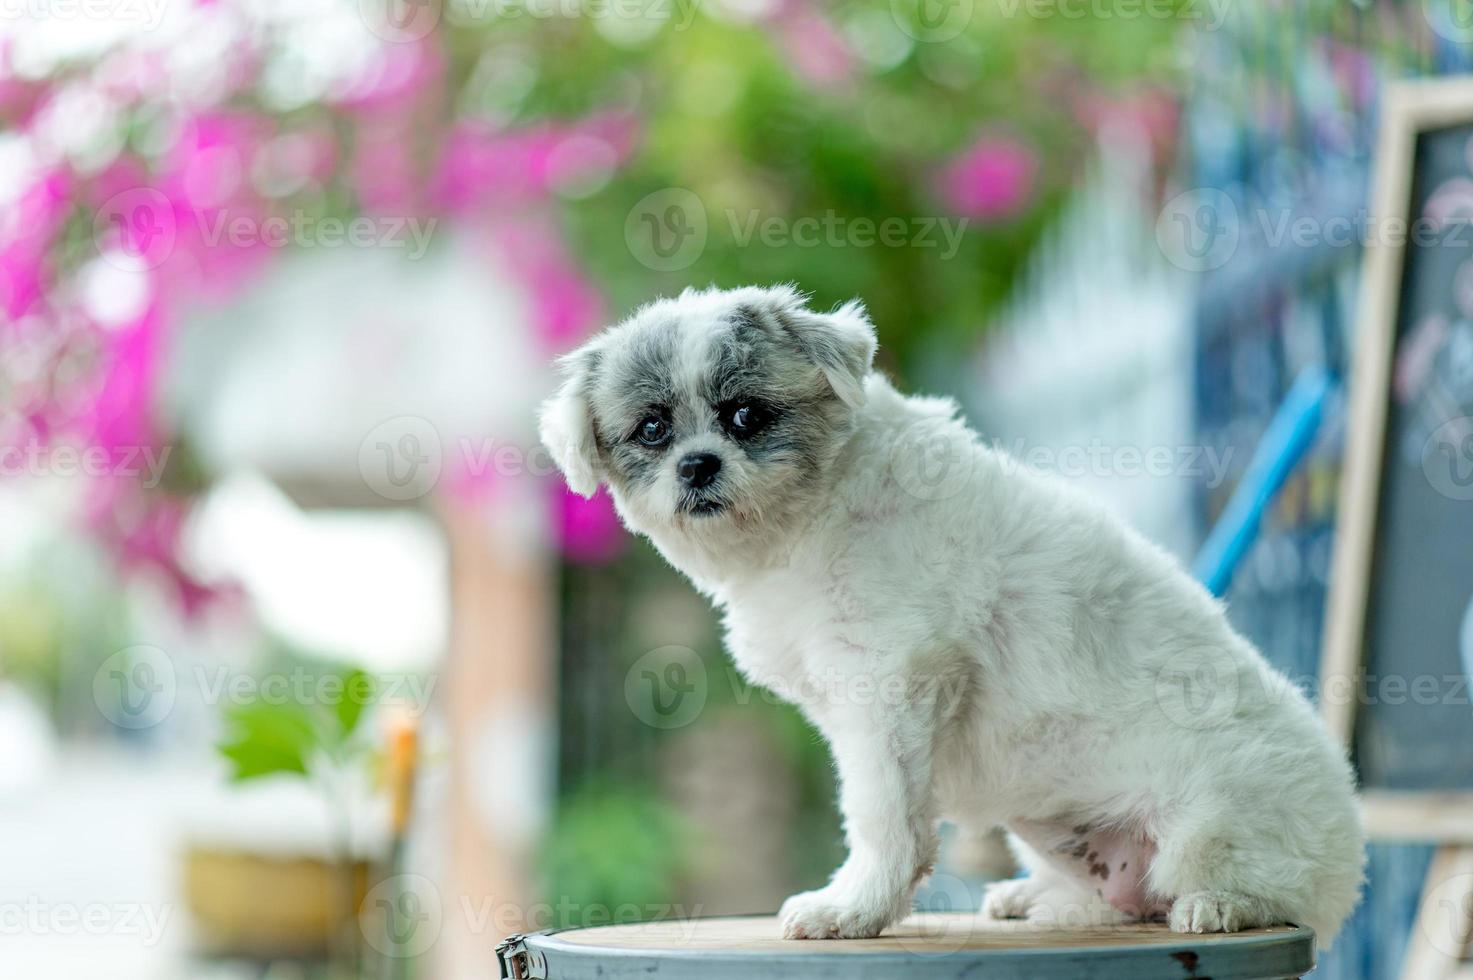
(124,174)
(589,530)
(1355,71)
(507,177)
(1146,114)
(482,165)
(172,211)
(206,179)
(310,153)
(209,164)
(23,272)
(143,528)
(566,306)
(1150,111)
(991,180)
(393,99)
(384,173)
(472,487)
(130,74)
(397,77)
(26,238)
(19,97)
(142,525)
(121,417)
(814,47)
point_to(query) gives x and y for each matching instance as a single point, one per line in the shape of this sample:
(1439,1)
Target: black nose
(698,469)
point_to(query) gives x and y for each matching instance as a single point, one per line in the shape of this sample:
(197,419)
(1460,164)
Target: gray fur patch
(753,357)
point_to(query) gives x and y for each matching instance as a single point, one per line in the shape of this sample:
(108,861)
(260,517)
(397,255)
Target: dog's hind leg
(1041,896)
(1217,880)
(1051,894)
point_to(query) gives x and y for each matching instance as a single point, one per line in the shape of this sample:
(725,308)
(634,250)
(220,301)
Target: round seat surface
(933,945)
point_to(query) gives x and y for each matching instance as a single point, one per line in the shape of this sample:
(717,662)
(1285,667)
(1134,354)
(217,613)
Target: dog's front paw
(825,914)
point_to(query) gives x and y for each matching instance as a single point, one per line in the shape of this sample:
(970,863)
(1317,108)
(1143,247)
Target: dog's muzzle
(697,470)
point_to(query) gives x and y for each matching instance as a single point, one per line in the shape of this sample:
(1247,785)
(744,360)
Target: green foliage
(726,113)
(59,620)
(612,847)
(358,690)
(32,626)
(266,739)
(284,736)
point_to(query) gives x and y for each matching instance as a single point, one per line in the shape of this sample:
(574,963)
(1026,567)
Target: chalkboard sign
(1416,731)
(1399,631)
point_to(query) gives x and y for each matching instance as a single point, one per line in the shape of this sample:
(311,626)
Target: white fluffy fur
(1002,651)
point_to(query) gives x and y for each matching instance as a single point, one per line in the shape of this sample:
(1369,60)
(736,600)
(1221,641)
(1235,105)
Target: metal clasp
(517,961)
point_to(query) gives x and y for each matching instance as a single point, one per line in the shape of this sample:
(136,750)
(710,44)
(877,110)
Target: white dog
(977,642)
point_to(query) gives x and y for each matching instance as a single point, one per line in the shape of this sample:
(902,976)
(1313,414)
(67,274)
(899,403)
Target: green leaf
(265,739)
(358,691)
(253,761)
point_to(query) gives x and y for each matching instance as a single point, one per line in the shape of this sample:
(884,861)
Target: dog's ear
(841,343)
(565,423)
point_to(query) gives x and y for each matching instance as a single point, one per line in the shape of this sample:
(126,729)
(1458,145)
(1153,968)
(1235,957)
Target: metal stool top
(936,946)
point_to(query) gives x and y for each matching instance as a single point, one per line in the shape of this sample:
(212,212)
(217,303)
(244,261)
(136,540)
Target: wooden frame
(1407,109)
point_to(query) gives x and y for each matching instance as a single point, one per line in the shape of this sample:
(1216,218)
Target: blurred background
(309,664)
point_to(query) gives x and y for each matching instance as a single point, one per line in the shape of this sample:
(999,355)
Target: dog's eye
(743,420)
(653,431)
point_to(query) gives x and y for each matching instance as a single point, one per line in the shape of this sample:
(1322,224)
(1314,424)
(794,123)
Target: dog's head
(717,409)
